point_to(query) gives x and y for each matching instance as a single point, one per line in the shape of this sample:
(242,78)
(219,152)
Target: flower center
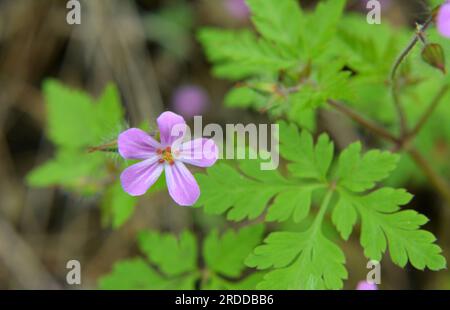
(166,155)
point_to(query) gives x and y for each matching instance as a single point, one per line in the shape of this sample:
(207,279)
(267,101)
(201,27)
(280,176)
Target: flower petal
(366,286)
(171,127)
(136,144)
(138,178)
(443,20)
(200,152)
(183,187)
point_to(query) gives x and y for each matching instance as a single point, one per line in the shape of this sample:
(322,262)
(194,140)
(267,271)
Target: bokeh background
(148,49)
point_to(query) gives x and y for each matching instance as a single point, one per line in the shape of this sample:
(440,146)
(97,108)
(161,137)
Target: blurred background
(148,49)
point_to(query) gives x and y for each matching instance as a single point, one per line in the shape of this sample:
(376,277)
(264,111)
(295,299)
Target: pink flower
(238,9)
(366,286)
(443,20)
(190,100)
(170,155)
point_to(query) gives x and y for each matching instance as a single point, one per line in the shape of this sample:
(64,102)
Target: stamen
(166,155)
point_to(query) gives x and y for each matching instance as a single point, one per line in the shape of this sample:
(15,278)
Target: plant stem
(108,147)
(322,210)
(394,83)
(399,108)
(366,123)
(438,182)
(429,111)
(409,48)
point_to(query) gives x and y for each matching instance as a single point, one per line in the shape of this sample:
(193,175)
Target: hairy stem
(364,122)
(429,111)
(436,180)
(399,108)
(399,60)
(393,77)
(108,147)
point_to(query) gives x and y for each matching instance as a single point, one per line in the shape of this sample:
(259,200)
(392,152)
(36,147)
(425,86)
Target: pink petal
(200,152)
(136,144)
(171,127)
(443,20)
(138,178)
(366,286)
(183,187)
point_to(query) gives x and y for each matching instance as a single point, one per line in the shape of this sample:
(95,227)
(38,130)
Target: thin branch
(431,108)
(108,147)
(409,48)
(366,123)
(399,108)
(418,36)
(438,182)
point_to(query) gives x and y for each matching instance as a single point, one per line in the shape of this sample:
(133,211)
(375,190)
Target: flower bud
(433,54)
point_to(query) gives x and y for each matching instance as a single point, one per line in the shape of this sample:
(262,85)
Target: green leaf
(344,216)
(109,113)
(173,264)
(71,117)
(71,169)
(241,54)
(243,97)
(324,21)
(382,225)
(278,21)
(75,120)
(117,206)
(305,260)
(136,274)
(309,161)
(296,202)
(128,274)
(183,252)
(308,260)
(224,188)
(226,254)
(359,173)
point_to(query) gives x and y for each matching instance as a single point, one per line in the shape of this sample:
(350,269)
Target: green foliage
(170,27)
(245,195)
(279,22)
(70,169)
(224,255)
(370,51)
(282,52)
(298,69)
(172,263)
(241,54)
(346,187)
(289,65)
(117,206)
(76,121)
(301,261)
(359,173)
